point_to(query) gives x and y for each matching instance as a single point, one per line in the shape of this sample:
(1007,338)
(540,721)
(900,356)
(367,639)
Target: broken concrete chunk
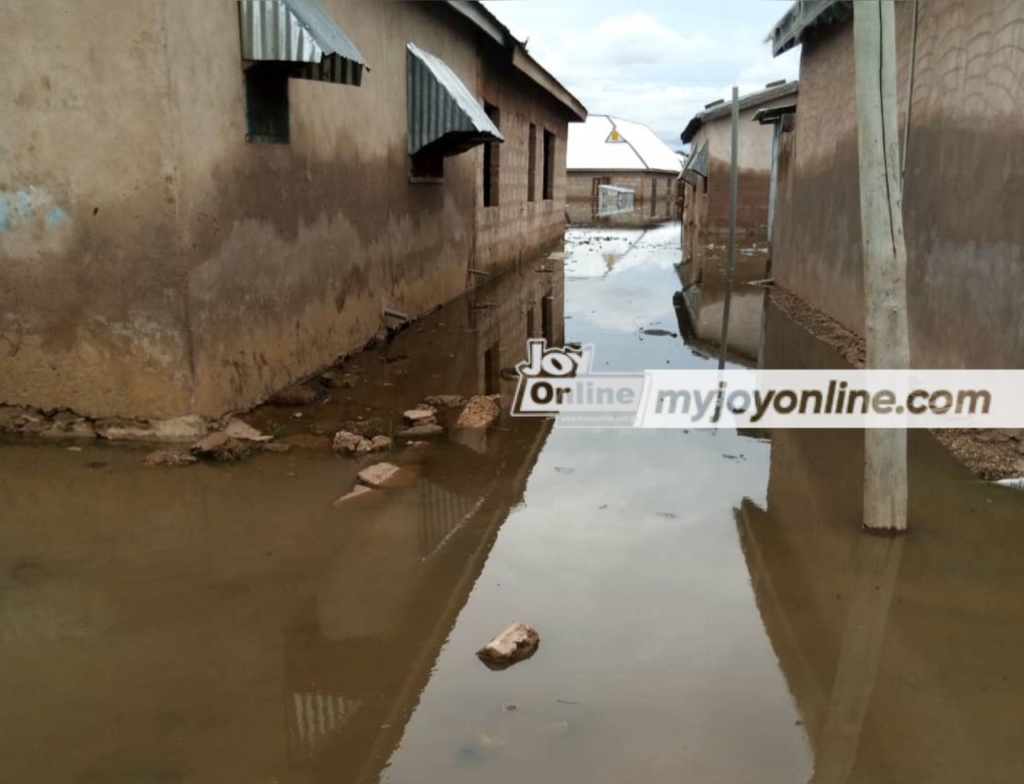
(298,395)
(359,492)
(421,431)
(350,443)
(243,431)
(168,459)
(479,414)
(222,448)
(386,475)
(446,401)
(420,416)
(514,644)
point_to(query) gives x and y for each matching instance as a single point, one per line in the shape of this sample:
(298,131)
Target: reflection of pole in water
(877,569)
(733,195)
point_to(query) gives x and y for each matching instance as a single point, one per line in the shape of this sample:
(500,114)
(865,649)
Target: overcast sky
(653,61)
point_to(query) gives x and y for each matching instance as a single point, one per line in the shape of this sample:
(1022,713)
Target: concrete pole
(733,197)
(884,251)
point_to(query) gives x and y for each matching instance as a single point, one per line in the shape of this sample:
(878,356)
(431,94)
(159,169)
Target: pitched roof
(724,108)
(604,143)
(803,17)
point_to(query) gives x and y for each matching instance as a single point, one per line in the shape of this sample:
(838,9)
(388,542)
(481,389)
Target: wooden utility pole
(884,251)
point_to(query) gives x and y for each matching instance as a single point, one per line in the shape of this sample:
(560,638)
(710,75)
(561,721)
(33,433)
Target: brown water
(708,608)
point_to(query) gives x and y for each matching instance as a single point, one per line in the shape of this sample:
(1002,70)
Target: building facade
(610,151)
(961,191)
(706,174)
(192,217)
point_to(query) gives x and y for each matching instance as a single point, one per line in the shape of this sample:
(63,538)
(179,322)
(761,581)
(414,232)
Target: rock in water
(479,414)
(299,395)
(243,431)
(386,475)
(514,644)
(421,431)
(446,401)
(420,416)
(222,448)
(168,459)
(351,443)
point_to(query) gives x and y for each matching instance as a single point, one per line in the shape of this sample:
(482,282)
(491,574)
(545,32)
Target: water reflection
(902,655)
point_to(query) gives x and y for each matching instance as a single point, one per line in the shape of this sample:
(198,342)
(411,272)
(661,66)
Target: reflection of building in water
(249,629)
(700,306)
(903,656)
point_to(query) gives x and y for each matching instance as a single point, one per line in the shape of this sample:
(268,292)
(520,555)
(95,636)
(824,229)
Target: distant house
(962,204)
(706,199)
(202,203)
(609,151)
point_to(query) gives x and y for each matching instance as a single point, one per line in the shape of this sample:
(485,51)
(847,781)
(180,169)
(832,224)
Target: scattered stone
(514,644)
(446,401)
(386,475)
(67,425)
(339,379)
(222,448)
(168,459)
(13,418)
(351,443)
(243,431)
(367,428)
(298,395)
(273,446)
(359,492)
(421,431)
(381,444)
(479,414)
(420,416)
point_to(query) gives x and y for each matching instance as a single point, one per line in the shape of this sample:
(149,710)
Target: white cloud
(659,65)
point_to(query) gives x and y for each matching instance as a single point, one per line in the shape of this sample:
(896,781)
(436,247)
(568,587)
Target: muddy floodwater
(708,608)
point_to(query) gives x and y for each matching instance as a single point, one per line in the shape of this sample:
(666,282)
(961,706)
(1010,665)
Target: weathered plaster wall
(663,196)
(154,263)
(962,197)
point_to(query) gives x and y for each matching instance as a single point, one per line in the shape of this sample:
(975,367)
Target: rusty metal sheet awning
(300,32)
(442,109)
(696,164)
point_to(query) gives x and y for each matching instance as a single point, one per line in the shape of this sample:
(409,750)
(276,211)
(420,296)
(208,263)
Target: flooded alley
(706,600)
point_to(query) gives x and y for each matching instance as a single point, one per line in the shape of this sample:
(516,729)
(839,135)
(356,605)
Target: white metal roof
(604,143)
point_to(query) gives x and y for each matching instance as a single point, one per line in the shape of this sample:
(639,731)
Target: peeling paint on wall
(5,216)
(23,205)
(57,218)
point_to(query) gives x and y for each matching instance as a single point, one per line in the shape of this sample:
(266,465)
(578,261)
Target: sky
(657,62)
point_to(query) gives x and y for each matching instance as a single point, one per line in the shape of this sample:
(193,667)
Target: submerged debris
(428,430)
(385,475)
(479,414)
(514,644)
(243,431)
(446,401)
(222,448)
(67,425)
(420,416)
(339,379)
(164,458)
(186,428)
(358,492)
(298,395)
(349,443)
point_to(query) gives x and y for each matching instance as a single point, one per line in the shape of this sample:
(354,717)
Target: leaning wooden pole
(884,251)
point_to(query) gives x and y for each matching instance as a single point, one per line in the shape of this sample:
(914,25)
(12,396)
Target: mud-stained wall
(706,210)
(656,193)
(154,263)
(962,199)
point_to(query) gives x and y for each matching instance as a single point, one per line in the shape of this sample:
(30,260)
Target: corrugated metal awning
(300,32)
(441,107)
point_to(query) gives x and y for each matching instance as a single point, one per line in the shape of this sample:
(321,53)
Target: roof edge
(803,17)
(746,102)
(522,60)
